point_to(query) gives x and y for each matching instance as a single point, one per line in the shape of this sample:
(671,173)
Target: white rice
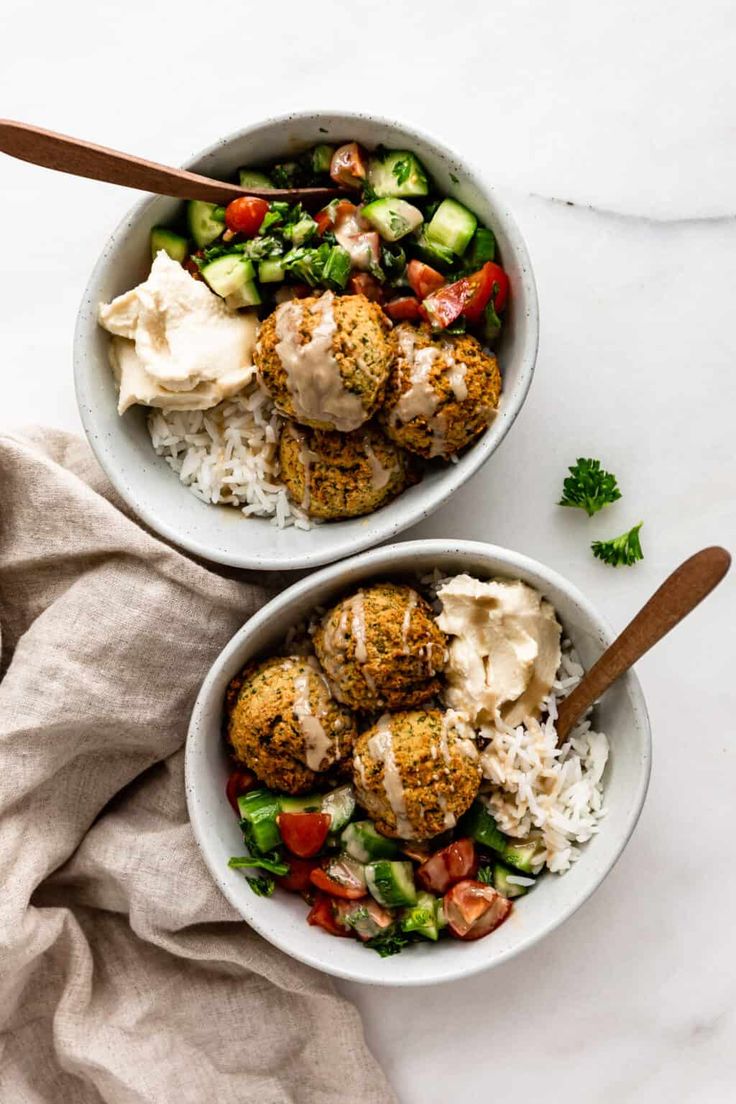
(538,789)
(229,454)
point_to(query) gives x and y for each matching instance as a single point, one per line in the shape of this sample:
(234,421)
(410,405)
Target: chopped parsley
(390,942)
(273,863)
(485,875)
(589,487)
(625,549)
(401,169)
(262,887)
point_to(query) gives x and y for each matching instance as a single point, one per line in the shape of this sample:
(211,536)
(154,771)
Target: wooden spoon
(72,155)
(678,595)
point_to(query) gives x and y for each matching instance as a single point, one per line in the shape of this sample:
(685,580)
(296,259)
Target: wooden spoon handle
(72,155)
(678,595)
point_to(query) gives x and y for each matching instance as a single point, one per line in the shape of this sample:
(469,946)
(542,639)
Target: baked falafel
(325,360)
(442,392)
(340,475)
(381,648)
(283,723)
(416,772)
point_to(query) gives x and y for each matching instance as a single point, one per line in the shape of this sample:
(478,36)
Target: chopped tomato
(304,834)
(298,878)
(404,309)
(322,915)
(365,919)
(365,284)
(328,216)
(239,782)
(348,165)
(474,909)
(192,267)
(468,296)
(322,880)
(423,280)
(450,865)
(245,215)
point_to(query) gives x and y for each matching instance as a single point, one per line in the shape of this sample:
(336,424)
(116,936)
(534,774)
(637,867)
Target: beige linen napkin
(124,974)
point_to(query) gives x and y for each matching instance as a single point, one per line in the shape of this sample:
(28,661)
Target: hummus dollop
(175,342)
(504,648)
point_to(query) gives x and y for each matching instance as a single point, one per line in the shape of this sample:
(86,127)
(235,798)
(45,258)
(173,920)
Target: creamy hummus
(175,342)
(504,649)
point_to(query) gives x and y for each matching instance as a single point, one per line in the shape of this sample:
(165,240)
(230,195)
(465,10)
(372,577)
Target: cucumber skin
(229,275)
(453,226)
(411,921)
(384,183)
(311,803)
(391,883)
(260,809)
(202,226)
(500,883)
(365,844)
(254,178)
(271,271)
(173,244)
(322,157)
(393,218)
(480,825)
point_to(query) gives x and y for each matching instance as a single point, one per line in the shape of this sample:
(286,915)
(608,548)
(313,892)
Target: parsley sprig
(625,549)
(589,487)
(390,942)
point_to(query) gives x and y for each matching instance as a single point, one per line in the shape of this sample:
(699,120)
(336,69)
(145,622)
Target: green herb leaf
(401,170)
(389,942)
(274,864)
(485,875)
(588,487)
(625,549)
(262,887)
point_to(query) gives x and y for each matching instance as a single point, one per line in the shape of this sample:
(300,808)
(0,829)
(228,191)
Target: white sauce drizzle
(317,744)
(379,475)
(421,399)
(406,623)
(313,375)
(381,747)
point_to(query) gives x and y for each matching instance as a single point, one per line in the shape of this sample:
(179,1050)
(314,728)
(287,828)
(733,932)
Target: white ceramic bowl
(282,918)
(122,445)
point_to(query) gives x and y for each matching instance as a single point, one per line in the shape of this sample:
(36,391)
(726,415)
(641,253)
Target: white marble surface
(628,111)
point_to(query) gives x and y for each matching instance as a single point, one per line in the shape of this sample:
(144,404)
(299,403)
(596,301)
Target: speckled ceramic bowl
(282,918)
(122,445)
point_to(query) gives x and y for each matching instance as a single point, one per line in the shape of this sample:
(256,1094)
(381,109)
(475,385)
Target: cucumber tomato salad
(422,256)
(386,892)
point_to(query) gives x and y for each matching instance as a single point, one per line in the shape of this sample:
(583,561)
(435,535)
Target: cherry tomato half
(468,296)
(245,215)
(304,834)
(423,279)
(404,309)
(450,865)
(322,915)
(365,284)
(298,878)
(474,909)
(348,165)
(322,880)
(239,782)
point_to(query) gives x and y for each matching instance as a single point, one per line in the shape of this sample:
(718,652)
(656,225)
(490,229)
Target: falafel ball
(284,724)
(340,475)
(381,648)
(416,772)
(325,360)
(442,393)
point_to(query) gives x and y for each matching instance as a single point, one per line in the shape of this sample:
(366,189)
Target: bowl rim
(381,560)
(454,477)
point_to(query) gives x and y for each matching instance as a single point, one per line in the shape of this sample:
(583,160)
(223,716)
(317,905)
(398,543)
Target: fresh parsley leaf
(369,192)
(389,942)
(274,864)
(485,875)
(401,170)
(625,549)
(588,487)
(262,887)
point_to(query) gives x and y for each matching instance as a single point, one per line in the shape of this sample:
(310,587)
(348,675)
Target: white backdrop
(611,129)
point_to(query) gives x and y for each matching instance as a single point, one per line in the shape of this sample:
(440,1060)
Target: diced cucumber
(247,296)
(300,232)
(229,274)
(480,826)
(204,226)
(258,810)
(271,271)
(432,253)
(362,840)
(340,804)
(336,271)
(346,871)
(322,157)
(254,178)
(452,225)
(310,803)
(524,855)
(392,218)
(397,173)
(391,883)
(422,917)
(175,245)
(482,248)
(509,889)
